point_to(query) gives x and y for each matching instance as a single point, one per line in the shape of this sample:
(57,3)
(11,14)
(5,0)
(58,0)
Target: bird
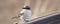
(26,13)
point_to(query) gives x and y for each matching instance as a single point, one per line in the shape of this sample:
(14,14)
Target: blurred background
(11,8)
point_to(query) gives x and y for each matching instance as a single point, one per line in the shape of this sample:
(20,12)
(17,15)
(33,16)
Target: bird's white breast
(27,13)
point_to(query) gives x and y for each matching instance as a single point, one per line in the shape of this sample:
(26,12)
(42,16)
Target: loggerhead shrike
(25,13)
